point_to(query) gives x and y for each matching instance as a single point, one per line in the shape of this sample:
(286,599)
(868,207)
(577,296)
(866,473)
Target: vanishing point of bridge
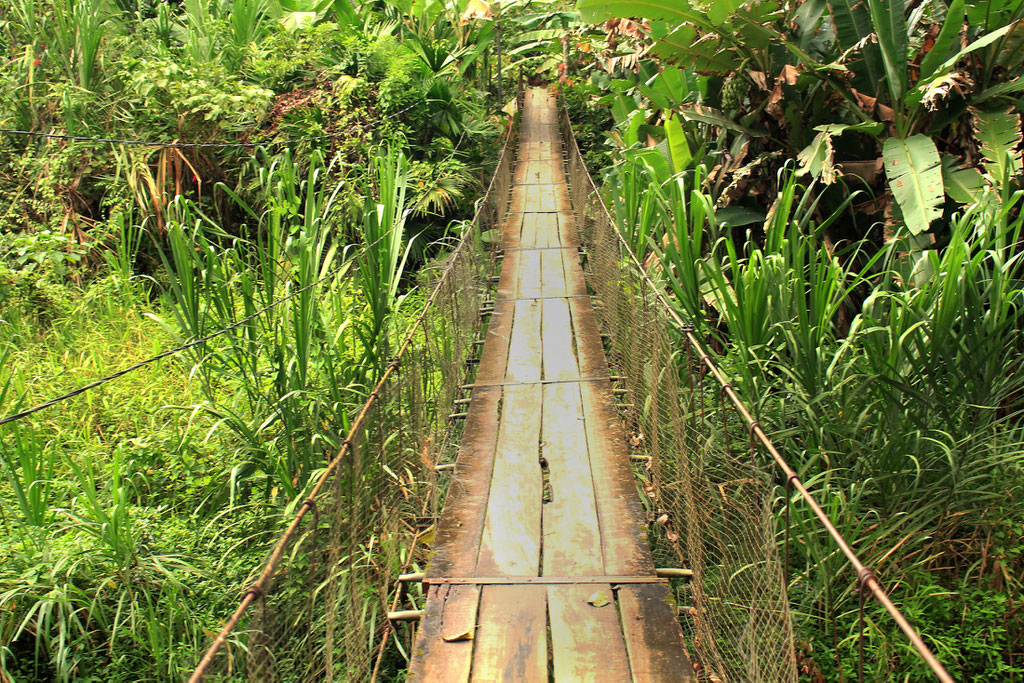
(541,567)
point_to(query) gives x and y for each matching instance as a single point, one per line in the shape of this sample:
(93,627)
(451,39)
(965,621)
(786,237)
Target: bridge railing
(717,482)
(317,607)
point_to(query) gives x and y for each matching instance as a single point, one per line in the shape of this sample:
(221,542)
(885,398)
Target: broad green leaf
(1000,137)
(597,11)
(817,159)
(947,35)
(852,25)
(915,177)
(623,107)
(963,185)
(891,28)
(989,13)
(870,127)
(737,216)
(703,54)
(1012,86)
(948,65)
(679,150)
(630,132)
(717,118)
(667,89)
(720,10)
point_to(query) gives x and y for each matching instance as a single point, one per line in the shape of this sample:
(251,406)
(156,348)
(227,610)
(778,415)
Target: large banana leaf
(963,185)
(915,176)
(891,28)
(596,11)
(852,25)
(999,133)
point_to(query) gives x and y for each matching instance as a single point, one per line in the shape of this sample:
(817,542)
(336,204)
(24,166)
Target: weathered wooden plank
(586,640)
(546,229)
(511,230)
(575,283)
(557,338)
(589,348)
(622,521)
(567,229)
(511,539)
(654,640)
(623,535)
(512,638)
(572,533)
(457,541)
(552,274)
(442,652)
(530,274)
(531,232)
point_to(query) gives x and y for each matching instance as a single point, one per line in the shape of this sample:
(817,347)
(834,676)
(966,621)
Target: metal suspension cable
(170,352)
(194,145)
(259,587)
(866,578)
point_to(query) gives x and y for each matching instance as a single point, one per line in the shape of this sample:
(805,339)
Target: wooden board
(558,359)
(654,640)
(512,638)
(572,533)
(510,543)
(440,653)
(552,273)
(586,641)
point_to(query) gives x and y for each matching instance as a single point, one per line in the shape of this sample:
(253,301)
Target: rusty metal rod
(865,577)
(259,588)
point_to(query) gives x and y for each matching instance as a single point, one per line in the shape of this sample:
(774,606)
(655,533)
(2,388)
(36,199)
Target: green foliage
(131,515)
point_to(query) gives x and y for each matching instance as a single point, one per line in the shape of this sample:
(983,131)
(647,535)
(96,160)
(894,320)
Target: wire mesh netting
(318,608)
(712,497)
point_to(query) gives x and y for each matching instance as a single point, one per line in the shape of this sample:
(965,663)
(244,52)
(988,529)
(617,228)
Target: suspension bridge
(482,517)
(542,532)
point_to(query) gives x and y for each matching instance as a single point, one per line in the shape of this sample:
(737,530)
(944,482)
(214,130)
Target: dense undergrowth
(832,194)
(761,159)
(134,515)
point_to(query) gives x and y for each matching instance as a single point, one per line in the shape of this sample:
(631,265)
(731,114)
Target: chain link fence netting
(711,501)
(318,608)
(720,493)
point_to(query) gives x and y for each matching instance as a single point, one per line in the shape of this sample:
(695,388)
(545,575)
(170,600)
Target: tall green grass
(898,398)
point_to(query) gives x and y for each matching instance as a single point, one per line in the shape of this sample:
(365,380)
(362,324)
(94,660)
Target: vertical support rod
(785,562)
(860,634)
(497,43)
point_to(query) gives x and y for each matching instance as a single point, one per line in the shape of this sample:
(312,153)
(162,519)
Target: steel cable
(170,352)
(194,145)
(867,581)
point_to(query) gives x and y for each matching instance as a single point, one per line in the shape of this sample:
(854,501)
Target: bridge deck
(540,566)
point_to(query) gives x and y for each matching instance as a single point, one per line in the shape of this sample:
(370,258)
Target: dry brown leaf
(866,102)
(465,635)
(790,74)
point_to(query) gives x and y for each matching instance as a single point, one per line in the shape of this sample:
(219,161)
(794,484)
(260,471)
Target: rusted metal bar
(259,587)
(867,579)
(539,580)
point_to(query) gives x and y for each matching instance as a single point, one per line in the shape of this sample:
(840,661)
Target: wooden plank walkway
(540,566)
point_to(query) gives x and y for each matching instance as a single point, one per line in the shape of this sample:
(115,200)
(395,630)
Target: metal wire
(383,474)
(195,145)
(170,352)
(624,275)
